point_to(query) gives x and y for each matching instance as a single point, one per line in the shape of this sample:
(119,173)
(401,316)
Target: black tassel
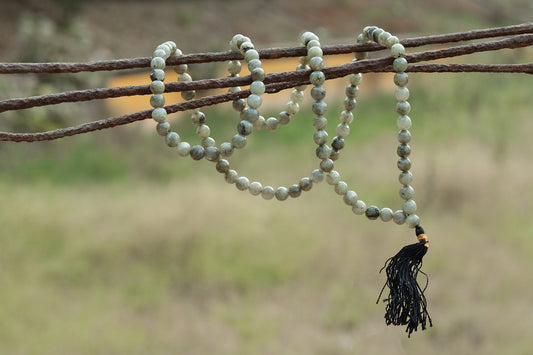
(406,303)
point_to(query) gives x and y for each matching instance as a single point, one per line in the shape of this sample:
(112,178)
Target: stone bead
(159,114)
(372,212)
(203,131)
(399,65)
(359,207)
(383,37)
(257,87)
(235,40)
(222,166)
(254,101)
(316,63)
(239,105)
(403,107)
(361,55)
(401,93)
(260,123)
(320,137)
(208,142)
(323,151)
(326,165)
(337,143)
(317,78)
(404,164)
(250,114)
(320,108)
(184,149)
(231,176)
(160,53)
(333,177)
(342,130)
(355,79)
(292,108)
(162,128)
(346,117)
(409,207)
(242,183)
(181,68)
(405,178)
(172,139)
(314,52)
(317,176)
(157,63)
(398,217)
(294,191)
(349,104)
(254,64)
(352,92)
(281,193)
(284,118)
(297,96)
(245,47)
(403,150)
(268,192)
(313,43)
(184,77)
(406,192)
(157,100)
(258,74)
(238,141)
(318,93)
(401,79)
(255,188)
(404,136)
(376,33)
(245,128)
(251,54)
(341,188)
(308,36)
(350,198)
(397,50)
(334,155)
(320,122)
(188,95)
(157,74)
(306,184)
(226,149)
(197,152)
(198,118)
(392,40)
(272,123)
(412,220)
(385,214)
(157,87)
(212,153)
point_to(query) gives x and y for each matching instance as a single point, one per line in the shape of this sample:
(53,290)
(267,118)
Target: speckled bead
(372,212)
(305,184)
(231,176)
(359,207)
(412,220)
(385,214)
(163,128)
(326,165)
(197,152)
(341,188)
(406,192)
(294,191)
(255,188)
(409,207)
(281,193)
(317,176)
(212,153)
(398,217)
(172,139)
(222,166)
(184,149)
(268,192)
(333,177)
(226,149)
(242,183)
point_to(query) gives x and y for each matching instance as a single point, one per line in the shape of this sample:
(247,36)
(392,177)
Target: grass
(113,244)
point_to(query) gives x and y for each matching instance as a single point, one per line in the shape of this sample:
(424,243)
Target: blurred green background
(112,244)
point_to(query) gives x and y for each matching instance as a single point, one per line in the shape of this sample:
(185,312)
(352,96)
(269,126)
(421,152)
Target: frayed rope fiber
(406,303)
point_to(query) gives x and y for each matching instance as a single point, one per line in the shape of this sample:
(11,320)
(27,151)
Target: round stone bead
(222,166)
(317,78)
(404,136)
(260,123)
(284,118)
(197,152)
(349,104)
(157,100)
(188,95)
(257,87)
(342,130)
(184,149)
(254,101)
(372,212)
(350,198)
(308,36)
(313,43)
(254,64)
(245,47)
(337,143)
(352,92)
(399,64)
(320,108)
(157,74)
(326,165)
(198,118)
(268,192)
(346,117)
(306,184)
(182,68)
(281,193)
(392,40)
(238,141)
(157,87)
(314,52)
(242,183)
(404,164)
(231,176)
(409,207)
(401,79)
(405,178)
(355,79)
(203,131)
(320,122)
(162,128)
(412,220)
(320,137)
(226,149)
(341,188)
(159,114)
(258,74)
(245,128)
(172,139)
(292,108)
(297,96)
(160,53)
(382,39)
(397,50)
(318,93)
(316,63)
(403,150)
(334,155)
(250,114)
(317,176)
(255,188)
(212,153)
(406,192)
(294,191)
(208,142)
(398,217)
(359,207)
(403,107)
(272,123)
(323,151)
(333,178)
(157,63)
(239,105)
(385,214)
(401,93)
(376,33)
(250,54)
(184,77)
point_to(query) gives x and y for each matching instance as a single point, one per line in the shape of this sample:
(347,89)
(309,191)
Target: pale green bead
(239,105)
(409,206)
(333,178)
(294,191)
(317,176)
(401,79)
(222,166)
(316,63)
(399,65)
(392,40)
(268,192)
(403,122)
(188,95)
(314,52)
(405,178)
(398,217)
(401,93)
(246,46)
(257,87)
(254,64)
(157,74)
(412,220)
(383,37)
(238,141)
(326,165)
(317,78)
(313,43)
(254,101)
(159,114)
(356,79)
(198,118)
(320,137)
(208,142)
(231,176)
(245,127)
(197,152)
(406,192)
(359,208)
(282,193)
(308,36)
(259,123)
(184,77)
(320,108)
(297,96)
(226,149)
(403,107)
(292,108)
(318,93)
(235,40)
(255,188)
(251,54)
(212,153)
(184,149)
(181,68)
(178,51)
(165,47)
(272,123)
(323,152)
(235,89)
(385,214)
(242,183)
(233,67)
(157,100)
(320,122)
(351,92)
(250,115)
(350,198)
(346,117)
(404,164)
(397,50)
(258,74)
(157,63)
(306,184)
(172,139)
(160,53)
(203,131)
(342,130)
(404,136)
(172,46)
(157,87)
(284,117)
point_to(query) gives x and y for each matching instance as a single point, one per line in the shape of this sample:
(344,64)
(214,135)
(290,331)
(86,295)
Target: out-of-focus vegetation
(111,243)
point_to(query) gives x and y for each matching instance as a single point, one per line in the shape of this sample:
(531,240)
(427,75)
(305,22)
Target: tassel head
(406,303)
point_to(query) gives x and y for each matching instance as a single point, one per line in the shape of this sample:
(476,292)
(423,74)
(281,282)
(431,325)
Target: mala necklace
(405,302)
